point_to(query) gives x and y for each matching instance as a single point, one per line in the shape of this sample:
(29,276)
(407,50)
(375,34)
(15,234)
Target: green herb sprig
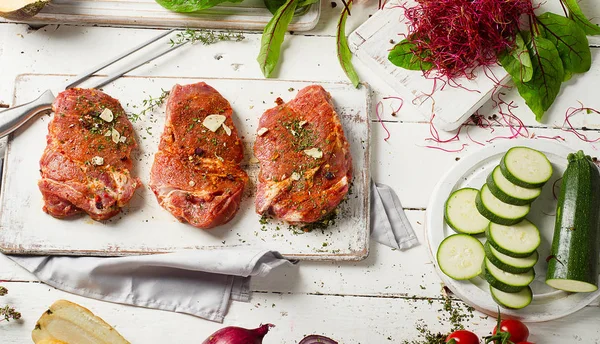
(148,105)
(7,313)
(206,37)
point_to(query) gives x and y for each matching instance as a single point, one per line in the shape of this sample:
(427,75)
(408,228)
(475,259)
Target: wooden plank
(247,15)
(144,227)
(349,320)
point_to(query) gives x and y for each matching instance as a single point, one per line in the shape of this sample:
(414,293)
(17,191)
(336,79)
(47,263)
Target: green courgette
(573,263)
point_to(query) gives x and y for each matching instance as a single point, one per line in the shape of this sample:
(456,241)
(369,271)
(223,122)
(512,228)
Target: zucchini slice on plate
(505,281)
(508,192)
(516,300)
(462,215)
(460,256)
(508,263)
(497,211)
(575,246)
(519,240)
(526,167)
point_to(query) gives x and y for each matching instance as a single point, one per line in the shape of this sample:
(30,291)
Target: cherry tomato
(463,337)
(518,331)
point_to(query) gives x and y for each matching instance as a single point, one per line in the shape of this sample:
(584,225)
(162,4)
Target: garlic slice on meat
(107,115)
(227,130)
(262,131)
(295,176)
(116,136)
(98,161)
(213,122)
(314,152)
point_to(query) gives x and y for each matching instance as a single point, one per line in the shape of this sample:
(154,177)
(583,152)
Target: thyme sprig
(7,313)
(149,104)
(206,37)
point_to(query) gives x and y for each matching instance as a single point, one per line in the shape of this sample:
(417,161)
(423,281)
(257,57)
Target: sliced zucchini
(508,263)
(526,167)
(519,240)
(460,256)
(497,211)
(461,213)
(516,300)
(505,281)
(508,192)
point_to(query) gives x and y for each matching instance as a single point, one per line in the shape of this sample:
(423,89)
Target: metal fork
(15,117)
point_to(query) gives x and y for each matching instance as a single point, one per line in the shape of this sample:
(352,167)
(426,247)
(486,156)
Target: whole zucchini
(573,264)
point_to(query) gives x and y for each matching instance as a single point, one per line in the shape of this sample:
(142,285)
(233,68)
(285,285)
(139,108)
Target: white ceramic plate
(471,171)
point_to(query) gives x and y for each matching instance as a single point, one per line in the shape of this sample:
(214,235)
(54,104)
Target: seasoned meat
(86,164)
(305,162)
(196,174)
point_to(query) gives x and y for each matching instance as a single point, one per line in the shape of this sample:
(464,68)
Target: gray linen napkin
(199,283)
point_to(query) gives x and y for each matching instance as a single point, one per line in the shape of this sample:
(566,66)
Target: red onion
(316,339)
(238,335)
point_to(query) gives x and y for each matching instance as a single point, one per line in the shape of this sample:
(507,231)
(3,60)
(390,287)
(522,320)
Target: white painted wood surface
(247,15)
(144,226)
(381,297)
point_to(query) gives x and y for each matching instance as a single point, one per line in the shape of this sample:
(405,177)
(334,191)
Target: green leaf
(273,35)
(191,5)
(570,41)
(517,61)
(539,92)
(403,55)
(343,51)
(578,17)
(306,3)
(273,5)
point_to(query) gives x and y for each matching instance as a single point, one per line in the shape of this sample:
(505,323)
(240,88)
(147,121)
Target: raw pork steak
(86,165)
(196,174)
(305,162)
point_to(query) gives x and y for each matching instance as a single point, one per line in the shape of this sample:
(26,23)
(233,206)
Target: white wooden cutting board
(452,106)
(145,227)
(247,15)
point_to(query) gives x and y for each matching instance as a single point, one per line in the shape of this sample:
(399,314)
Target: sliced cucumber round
(517,300)
(519,240)
(460,256)
(461,213)
(508,263)
(526,167)
(505,281)
(497,211)
(508,192)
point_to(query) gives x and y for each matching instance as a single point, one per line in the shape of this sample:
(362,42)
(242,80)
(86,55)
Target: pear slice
(21,9)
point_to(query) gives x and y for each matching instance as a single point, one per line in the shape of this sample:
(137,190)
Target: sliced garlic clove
(213,122)
(262,131)
(107,115)
(314,152)
(227,130)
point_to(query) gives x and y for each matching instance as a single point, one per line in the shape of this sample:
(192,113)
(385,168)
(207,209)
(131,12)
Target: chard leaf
(578,17)
(539,92)
(517,62)
(273,35)
(570,41)
(273,5)
(403,55)
(191,5)
(343,51)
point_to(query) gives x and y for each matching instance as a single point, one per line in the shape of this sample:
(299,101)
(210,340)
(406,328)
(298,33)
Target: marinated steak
(305,162)
(196,174)
(86,164)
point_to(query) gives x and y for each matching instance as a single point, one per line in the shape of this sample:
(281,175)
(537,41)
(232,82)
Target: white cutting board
(144,227)
(452,106)
(247,15)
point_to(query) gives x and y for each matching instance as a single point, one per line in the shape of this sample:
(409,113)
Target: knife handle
(13,118)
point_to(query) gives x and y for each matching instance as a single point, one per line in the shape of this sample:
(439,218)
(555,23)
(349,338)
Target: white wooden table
(378,300)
